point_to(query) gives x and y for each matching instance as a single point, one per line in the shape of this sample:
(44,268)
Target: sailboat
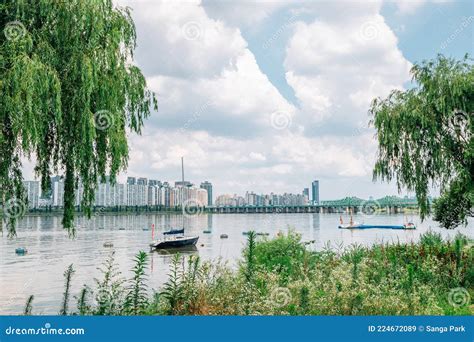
(173,238)
(174,231)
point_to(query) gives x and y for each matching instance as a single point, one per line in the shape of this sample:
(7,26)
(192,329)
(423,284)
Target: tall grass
(281,276)
(67,289)
(28,306)
(136,299)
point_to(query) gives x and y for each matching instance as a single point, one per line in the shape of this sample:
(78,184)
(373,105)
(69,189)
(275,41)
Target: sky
(268,96)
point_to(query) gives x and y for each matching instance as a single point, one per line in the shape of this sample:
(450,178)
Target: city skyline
(206,184)
(55,194)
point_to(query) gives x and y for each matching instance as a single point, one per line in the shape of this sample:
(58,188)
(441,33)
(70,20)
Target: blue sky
(270,95)
(420,34)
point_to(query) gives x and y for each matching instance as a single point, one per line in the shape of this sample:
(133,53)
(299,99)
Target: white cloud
(178,39)
(337,67)
(409,6)
(284,161)
(257,156)
(248,13)
(216,105)
(412,6)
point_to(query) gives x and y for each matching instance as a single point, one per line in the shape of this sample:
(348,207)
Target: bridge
(389,204)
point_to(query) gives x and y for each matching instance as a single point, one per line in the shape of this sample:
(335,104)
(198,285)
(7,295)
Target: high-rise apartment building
(32,189)
(208,187)
(315,189)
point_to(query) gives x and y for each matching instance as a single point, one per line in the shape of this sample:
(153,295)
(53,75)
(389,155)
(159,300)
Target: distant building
(183,184)
(315,189)
(152,182)
(58,193)
(208,187)
(230,201)
(306,194)
(142,181)
(166,194)
(251,198)
(136,192)
(32,189)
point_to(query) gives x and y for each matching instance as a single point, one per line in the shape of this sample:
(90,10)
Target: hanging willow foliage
(69,94)
(426,137)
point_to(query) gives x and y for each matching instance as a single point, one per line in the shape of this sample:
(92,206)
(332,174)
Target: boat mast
(182,188)
(182,170)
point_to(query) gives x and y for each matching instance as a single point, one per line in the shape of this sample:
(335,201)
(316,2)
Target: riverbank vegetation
(282,277)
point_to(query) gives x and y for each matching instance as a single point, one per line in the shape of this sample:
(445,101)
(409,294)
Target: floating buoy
(108,244)
(207,231)
(202,245)
(21,251)
(122,228)
(224,236)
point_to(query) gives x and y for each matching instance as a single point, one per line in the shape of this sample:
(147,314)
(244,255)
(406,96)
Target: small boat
(108,244)
(174,242)
(174,231)
(207,231)
(21,251)
(354,225)
(380,226)
(224,236)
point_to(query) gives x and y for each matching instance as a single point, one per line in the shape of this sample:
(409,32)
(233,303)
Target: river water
(50,250)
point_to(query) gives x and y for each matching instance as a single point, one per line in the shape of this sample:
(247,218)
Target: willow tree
(70,94)
(426,138)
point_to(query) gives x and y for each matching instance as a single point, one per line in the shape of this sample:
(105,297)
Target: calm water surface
(50,251)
